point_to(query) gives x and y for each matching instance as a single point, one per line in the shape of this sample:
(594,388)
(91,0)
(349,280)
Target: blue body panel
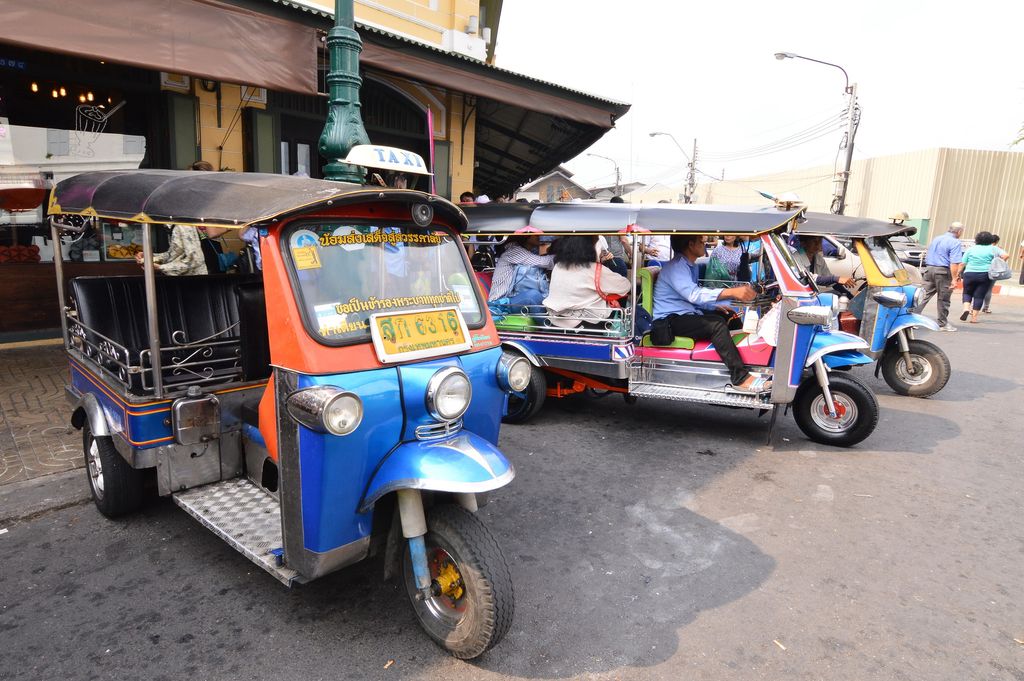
(888,318)
(143,425)
(464,463)
(573,349)
(337,472)
(802,340)
(484,414)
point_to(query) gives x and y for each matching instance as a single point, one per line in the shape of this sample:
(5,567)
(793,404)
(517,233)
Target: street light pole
(344,128)
(618,175)
(853,121)
(691,165)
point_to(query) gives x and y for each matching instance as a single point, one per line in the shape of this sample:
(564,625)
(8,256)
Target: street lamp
(618,176)
(853,120)
(691,178)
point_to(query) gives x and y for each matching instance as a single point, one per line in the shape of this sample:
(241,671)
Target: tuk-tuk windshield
(884,256)
(784,250)
(345,272)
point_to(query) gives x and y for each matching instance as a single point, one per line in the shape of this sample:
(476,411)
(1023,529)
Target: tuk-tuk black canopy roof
(603,218)
(184,197)
(826,224)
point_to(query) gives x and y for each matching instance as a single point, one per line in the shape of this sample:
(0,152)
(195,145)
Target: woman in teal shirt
(977,260)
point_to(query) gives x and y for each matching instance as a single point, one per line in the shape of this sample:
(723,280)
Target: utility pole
(691,176)
(853,120)
(839,202)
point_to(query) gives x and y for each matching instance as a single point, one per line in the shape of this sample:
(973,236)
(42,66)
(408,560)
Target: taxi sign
(403,336)
(388,158)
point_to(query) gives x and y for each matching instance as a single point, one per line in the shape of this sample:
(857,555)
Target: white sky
(929,74)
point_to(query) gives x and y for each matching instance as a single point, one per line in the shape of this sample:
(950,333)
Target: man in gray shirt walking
(943,264)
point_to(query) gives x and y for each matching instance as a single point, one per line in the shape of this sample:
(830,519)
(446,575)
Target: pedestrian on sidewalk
(1021,256)
(987,309)
(943,264)
(977,260)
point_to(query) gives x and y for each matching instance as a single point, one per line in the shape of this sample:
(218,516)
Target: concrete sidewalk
(35,436)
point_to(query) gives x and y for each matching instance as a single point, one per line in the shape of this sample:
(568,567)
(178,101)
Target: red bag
(613,301)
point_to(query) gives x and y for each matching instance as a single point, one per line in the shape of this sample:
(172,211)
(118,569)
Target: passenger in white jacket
(581,288)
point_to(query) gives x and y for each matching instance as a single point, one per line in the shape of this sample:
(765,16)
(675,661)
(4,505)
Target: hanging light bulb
(89,96)
(35,87)
(81,98)
(63,92)
(56,94)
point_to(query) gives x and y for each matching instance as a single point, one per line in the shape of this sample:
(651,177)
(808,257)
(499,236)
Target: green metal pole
(344,128)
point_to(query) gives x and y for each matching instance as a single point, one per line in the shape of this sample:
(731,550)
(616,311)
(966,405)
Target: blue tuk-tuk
(342,403)
(796,342)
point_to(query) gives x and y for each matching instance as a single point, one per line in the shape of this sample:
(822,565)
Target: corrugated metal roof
(363,28)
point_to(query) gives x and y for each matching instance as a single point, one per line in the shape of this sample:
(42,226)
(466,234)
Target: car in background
(844,262)
(909,249)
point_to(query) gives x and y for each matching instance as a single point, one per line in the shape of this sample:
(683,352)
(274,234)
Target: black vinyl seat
(198,316)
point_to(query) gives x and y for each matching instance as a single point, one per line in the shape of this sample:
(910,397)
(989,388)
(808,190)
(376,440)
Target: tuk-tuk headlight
(326,409)
(890,298)
(513,372)
(818,315)
(918,296)
(448,394)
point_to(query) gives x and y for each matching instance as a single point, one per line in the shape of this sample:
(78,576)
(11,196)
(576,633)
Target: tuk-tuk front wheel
(856,411)
(926,375)
(472,602)
(524,406)
(116,487)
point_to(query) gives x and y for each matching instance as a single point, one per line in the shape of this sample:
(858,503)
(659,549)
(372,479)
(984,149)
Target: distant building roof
(558,172)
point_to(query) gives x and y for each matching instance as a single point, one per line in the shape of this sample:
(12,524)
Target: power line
(829,125)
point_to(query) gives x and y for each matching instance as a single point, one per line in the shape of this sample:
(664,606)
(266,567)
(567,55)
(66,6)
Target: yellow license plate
(414,335)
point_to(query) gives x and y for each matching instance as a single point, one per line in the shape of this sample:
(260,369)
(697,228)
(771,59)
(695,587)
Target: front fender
(845,358)
(910,320)
(828,342)
(466,463)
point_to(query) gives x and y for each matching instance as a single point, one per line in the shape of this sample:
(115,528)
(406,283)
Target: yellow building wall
(424,20)
(222,145)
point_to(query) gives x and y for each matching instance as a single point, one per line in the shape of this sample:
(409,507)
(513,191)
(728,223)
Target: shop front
(163,83)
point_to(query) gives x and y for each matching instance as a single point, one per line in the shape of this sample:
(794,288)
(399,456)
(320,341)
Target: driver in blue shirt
(700,312)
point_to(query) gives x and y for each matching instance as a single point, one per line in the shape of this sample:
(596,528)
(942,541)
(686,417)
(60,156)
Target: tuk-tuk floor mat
(244,516)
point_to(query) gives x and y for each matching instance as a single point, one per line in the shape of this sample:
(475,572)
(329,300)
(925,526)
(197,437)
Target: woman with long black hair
(582,290)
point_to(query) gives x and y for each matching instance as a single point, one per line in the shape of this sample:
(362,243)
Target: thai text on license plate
(423,333)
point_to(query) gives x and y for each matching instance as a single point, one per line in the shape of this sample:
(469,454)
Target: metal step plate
(245,517)
(702,395)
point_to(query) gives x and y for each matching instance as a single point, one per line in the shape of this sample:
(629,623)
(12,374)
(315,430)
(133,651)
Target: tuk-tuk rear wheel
(116,487)
(472,604)
(524,406)
(856,406)
(931,369)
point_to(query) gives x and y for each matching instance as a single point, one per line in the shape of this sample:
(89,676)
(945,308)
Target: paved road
(655,541)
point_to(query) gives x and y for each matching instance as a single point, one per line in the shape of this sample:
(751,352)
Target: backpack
(999,269)
(529,278)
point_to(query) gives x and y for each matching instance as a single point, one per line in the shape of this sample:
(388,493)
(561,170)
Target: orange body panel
(268,419)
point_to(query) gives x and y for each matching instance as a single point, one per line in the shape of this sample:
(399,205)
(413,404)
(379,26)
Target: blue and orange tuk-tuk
(795,341)
(345,400)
